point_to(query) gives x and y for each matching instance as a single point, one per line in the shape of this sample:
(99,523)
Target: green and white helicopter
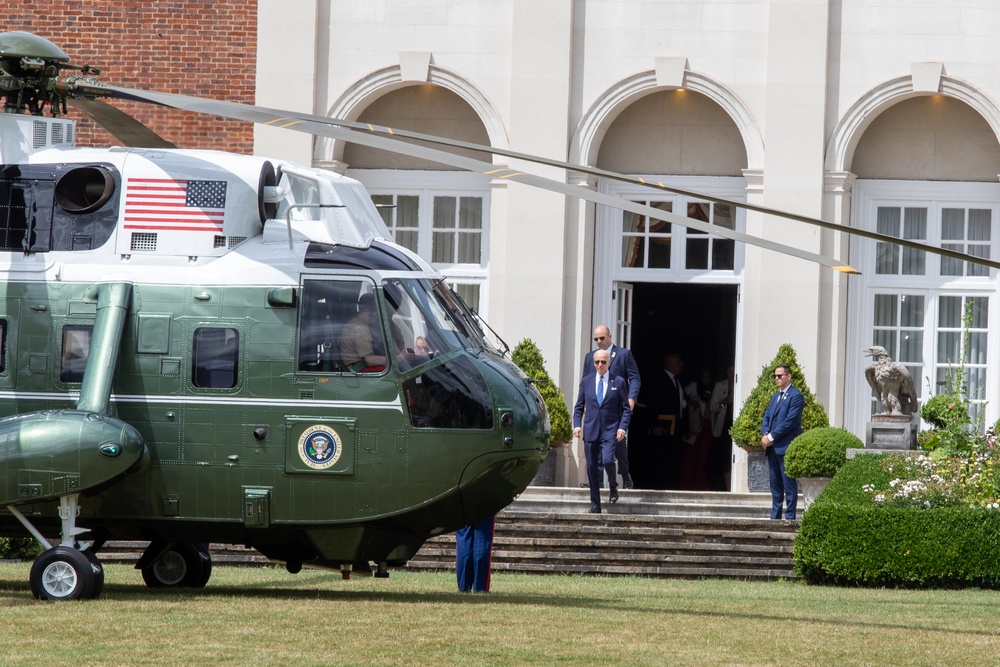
(199,346)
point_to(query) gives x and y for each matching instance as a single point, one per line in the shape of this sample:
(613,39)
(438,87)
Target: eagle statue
(891,383)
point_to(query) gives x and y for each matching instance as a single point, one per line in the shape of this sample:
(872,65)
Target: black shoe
(594,509)
(627,481)
(614,497)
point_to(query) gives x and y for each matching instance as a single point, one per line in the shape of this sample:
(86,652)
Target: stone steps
(647,533)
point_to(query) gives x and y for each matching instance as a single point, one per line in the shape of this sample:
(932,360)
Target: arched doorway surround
(847,134)
(356,98)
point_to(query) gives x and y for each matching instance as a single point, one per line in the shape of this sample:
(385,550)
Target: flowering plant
(969,479)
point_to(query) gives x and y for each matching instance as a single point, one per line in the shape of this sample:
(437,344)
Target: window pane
(75,350)
(444,212)
(885,310)
(911,310)
(471,213)
(443,247)
(953,224)
(911,346)
(659,252)
(723,253)
(3,344)
(950,315)
(469,294)
(980,221)
(696,253)
(469,248)
(214,359)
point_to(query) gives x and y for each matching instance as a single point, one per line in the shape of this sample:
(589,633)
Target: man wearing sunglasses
(601,416)
(622,365)
(782,422)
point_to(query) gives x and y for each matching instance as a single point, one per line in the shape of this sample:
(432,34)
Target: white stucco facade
(796,88)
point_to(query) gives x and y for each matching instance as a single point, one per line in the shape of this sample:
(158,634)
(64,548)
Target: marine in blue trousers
(473,551)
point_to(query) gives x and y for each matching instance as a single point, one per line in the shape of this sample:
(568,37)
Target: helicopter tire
(98,569)
(206,566)
(62,573)
(180,565)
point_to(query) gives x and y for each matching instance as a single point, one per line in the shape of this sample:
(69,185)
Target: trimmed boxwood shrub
(845,539)
(529,359)
(819,452)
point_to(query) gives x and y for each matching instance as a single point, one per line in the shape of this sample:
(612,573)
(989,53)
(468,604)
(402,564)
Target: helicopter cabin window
(3,344)
(341,328)
(75,350)
(15,204)
(215,357)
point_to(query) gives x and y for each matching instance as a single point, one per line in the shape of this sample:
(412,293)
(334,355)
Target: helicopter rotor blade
(120,125)
(318,125)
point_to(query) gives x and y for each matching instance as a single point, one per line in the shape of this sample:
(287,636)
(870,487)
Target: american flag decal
(165,204)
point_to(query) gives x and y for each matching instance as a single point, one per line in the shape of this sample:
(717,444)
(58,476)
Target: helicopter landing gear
(381,572)
(175,565)
(69,571)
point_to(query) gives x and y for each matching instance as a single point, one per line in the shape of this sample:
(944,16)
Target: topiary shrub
(746,427)
(819,452)
(529,359)
(944,410)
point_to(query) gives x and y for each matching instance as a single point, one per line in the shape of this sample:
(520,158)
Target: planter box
(810,488)
(758,478)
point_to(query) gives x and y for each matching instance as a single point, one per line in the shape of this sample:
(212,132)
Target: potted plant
(746,427)
(814,457)
(529,359)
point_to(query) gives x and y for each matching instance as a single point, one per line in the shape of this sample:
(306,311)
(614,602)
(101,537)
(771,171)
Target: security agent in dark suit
(782,423)
(602,416)
(622,365)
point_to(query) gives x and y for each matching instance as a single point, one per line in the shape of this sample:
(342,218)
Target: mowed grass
(266,616)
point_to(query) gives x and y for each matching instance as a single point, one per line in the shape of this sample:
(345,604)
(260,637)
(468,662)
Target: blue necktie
(600,390)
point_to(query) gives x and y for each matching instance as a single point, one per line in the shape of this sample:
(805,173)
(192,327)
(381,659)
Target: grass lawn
(249,616)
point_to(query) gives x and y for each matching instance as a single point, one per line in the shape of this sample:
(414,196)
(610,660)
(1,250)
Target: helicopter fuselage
(242,283)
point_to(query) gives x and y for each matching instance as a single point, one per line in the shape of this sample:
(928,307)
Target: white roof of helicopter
(185,209)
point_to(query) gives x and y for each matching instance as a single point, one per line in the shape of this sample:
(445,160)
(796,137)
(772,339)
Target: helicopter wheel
(63,573)
(98,569)
(206,566)
(180,564)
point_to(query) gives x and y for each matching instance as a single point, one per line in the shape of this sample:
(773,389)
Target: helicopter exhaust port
(85,189)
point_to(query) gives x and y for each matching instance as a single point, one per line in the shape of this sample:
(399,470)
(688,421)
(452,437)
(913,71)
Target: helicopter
(199,346)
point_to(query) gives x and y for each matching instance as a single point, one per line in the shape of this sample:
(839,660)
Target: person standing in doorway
(622,365)
(601,417)
(720,457)
(473,553)
(782,422)
(665,403)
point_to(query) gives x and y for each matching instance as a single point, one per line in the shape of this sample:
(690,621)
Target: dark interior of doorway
(698,322)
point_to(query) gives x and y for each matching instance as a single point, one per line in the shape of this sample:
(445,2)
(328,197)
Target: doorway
(698,322)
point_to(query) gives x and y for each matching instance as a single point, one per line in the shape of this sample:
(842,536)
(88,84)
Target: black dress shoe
(627,481)
(594,509)
(614,497)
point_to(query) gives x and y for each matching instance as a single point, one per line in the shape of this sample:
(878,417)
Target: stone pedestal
(758,478)
(891,432)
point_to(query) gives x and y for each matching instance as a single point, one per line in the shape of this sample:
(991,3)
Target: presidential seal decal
(320,447)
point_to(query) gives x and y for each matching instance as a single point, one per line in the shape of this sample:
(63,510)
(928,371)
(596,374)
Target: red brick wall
(206,49)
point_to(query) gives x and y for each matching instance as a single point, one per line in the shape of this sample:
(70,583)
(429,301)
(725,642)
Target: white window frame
(429,184)
(609,236)
(868,196)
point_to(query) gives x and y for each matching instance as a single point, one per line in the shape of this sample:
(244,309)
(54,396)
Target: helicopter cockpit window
(75,350)
(341,328)
(215,359)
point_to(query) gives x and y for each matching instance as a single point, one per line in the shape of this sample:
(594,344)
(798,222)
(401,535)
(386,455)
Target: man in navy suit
(602,411)
(782,422)
(622,365)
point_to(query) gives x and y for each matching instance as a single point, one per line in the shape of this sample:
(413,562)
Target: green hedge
(846,540)
(18,548)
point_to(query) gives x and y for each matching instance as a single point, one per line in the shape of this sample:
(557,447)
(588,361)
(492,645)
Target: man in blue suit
(782,422)
(622,365)
(603,413)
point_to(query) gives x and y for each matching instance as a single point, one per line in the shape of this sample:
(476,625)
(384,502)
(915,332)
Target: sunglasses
(599,362)
(779,375)
(598,339)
